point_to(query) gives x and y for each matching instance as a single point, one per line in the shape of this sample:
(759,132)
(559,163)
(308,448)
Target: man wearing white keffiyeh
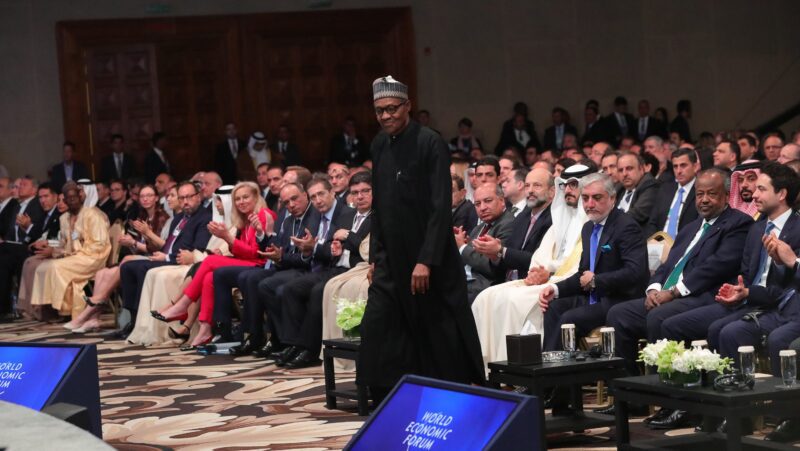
(512,307)
(743,184)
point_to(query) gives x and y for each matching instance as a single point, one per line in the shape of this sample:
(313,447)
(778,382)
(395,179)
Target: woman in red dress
(249,208)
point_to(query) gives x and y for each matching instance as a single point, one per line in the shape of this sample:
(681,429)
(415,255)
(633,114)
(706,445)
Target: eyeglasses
(572,184)
(391,109)
(183,198)
(364,191)
(146,196)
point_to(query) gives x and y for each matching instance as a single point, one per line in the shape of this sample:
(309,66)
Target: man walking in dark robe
(418,319)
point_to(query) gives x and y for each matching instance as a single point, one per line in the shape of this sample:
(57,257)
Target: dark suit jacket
(662,205)
(779,277)
(680,126)
(47,227)
(154,166)
(654,128)
(225,164)
(508,137)
(715,259)
(594,134)
(465,215)
(108,167)
(289,158)
(194,235)
(34,211)
(291,257)
(518,251)
(643,199)
(613,131)
(342,219)
(58,177)
(550,136)
(353,157)
(482,269)
(8,217)
(621,270)
(354,239)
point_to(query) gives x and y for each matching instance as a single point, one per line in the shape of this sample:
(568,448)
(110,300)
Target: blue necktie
(595,240)
(674,215)
(762,262)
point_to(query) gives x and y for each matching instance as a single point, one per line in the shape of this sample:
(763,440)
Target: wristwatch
(501,252)
(591,283)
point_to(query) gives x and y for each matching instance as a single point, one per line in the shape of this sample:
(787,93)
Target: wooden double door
(189,76)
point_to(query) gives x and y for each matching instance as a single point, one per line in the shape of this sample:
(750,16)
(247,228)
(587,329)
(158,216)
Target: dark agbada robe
(433,334)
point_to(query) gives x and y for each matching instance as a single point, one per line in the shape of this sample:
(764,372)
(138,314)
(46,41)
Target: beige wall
(739,61)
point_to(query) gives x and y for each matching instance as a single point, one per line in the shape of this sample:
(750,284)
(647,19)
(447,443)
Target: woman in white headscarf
(513,307)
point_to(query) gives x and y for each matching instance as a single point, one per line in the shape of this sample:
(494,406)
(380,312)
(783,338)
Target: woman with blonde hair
(249,209)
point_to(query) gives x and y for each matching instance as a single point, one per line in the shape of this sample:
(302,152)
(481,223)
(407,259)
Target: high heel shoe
(87,327)
(188,348)
(157,315)
(177,336)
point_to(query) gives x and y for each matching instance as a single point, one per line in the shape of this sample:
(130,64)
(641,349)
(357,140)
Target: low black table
(764,399)
(536,378)
(348,350)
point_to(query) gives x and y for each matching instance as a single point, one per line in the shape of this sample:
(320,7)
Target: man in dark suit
(347,147)
(8,204)
(554,135)
(286,152)
(639,189)
(464,214)
(620,123)
(295,218)
(43,216)
(647,125)
(512,260)
(119,165)
(680,124)
(674,206)
(227,152)
(613,268)
(340,230)
(593,131)
(509,134)
(156,162)
(68,169)
(495,223)
(25,214)
(188,232)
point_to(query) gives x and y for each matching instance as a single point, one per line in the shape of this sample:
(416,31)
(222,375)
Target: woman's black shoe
(249,346)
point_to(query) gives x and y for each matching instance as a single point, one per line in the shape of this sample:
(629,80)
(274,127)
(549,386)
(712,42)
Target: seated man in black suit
(705,255)
(299,216)
(333,254)
(27,212)
(639,188)
(513,258)
(464,214)
(44,225)
(613,268)
(495,223)
(674,206)
(119,165)
(188,231)
(68,169)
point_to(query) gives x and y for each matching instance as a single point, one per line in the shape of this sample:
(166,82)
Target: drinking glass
(747,360)
(568,337)
(788,367)
(608,341)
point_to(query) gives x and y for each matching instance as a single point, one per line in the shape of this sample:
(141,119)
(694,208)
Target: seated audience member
(513,186)
(487,170)
(465,141)
(24,212)
(210,184)
(761,281)
(674,206)
(743,185)
(284,263)
(338,175)
(147,231)
(512,258)
(507,164)
(789,152)
(14,252)
(104,202)
(270,180)
(554,135)
(561,165)
(748,146)
(188,231)
(517,129)
(598,151)
(8,204)
(510,308)
(727,154)
(69,170)
(464,214)
(662,151)
(297,174)
(639,189)
(250,216)
(335,252)
(163,284)
(84,249)
(613,268)
(608,165)
(773,143)
(496,222)
(119,165)
(707,253)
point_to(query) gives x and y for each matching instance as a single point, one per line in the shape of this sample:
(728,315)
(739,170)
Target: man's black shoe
(660,415)
(269,348)
(123,333)
(747,426)
(283,357)
(676,419)
(303,359)
(249,346)
(786,431)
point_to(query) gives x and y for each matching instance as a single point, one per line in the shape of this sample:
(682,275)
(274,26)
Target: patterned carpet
(160,399)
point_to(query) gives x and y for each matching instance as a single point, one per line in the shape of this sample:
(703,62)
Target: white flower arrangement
(672,356)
